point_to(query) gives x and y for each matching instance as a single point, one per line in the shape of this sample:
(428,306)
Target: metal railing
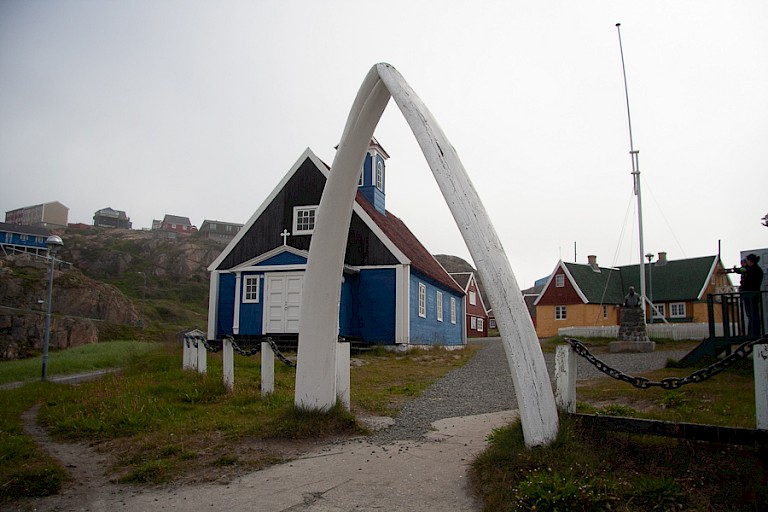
(736,311)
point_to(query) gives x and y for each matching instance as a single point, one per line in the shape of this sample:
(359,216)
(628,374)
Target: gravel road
(484,385)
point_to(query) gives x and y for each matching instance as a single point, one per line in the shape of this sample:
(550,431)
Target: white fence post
(342,373)
(228,361)
(189,355)
(202,357)
(760,361)
(267,369)
(565,378)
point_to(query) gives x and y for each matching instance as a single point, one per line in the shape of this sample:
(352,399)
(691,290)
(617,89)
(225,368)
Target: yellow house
(579,295)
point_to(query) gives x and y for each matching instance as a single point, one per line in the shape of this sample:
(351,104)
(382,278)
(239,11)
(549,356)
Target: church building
(393,291)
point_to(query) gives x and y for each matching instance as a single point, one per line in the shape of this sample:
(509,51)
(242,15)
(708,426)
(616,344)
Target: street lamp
(53,243)
(650,283)
(143,299)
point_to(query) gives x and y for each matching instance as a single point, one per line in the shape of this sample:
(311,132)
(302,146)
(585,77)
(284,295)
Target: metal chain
(741,352)
(279,354)
(248,353)
(257,349)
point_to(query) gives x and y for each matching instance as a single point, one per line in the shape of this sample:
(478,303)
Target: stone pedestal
(632,333)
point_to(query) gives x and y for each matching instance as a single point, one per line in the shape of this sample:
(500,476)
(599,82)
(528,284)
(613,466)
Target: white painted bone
(318,330)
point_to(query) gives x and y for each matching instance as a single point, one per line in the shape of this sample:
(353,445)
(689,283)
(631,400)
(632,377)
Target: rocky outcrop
(80,307)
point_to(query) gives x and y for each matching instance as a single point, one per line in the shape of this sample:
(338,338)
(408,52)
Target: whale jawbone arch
(318,330)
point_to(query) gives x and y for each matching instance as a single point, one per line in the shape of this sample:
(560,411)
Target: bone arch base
(318,330)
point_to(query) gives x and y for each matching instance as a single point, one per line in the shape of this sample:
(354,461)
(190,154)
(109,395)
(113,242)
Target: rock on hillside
(109,254)
(80,307)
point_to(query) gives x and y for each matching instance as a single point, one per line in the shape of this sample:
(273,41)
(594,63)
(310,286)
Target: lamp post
(143,299)
(650,283)
(53,243)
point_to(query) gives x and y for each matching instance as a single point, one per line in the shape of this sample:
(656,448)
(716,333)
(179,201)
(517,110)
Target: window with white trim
(677,310)
(453,310)
(422,300)
(659,310)
(491,323)
(380,176)
(472,298)
(605,312)
(480,324)
(251,289)
(560,312)
(304,219)
(559,281)
(439,306)
(473,322)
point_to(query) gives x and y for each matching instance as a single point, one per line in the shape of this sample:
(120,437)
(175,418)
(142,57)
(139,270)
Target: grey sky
(198,109)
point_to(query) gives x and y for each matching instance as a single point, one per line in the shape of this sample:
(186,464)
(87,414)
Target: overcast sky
(198,109)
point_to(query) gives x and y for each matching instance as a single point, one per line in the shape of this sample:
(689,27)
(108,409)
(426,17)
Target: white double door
(282,309)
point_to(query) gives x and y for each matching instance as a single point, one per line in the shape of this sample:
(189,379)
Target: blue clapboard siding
(346,308)
(284,258)
(226,305)
(429,331)
(251,313)
(374,307)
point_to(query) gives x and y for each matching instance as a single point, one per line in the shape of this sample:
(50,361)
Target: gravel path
(484,385)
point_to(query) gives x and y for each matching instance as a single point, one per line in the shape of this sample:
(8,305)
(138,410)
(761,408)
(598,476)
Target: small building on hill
(477,316)
(578,295)
(46,215)
(393,291)
(174,225)
(19,238)
(110,218)
(219,231)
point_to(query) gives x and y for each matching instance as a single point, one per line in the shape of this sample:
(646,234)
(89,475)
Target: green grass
(591,470)
(98,356)
(600,345)
(160,422)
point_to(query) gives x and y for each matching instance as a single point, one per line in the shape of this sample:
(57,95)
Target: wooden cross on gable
(285,234)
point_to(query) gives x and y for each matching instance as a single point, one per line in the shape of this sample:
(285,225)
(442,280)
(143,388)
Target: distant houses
(174,225)
(579,295)
(46,215)
(20,238)
(219,231)
(109,218)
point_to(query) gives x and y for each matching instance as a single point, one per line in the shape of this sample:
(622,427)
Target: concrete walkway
(428,475)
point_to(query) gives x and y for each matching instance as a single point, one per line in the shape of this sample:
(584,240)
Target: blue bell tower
(373,176)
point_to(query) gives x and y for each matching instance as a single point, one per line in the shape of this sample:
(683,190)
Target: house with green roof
(579,295)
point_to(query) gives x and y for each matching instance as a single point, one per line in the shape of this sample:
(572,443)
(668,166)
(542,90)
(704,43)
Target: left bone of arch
(318,330)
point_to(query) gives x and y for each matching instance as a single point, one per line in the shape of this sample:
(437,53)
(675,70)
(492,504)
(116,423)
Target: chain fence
(718,366)
(194,340)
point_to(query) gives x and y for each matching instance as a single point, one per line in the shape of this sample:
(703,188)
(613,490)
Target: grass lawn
(592,470)
(160,422)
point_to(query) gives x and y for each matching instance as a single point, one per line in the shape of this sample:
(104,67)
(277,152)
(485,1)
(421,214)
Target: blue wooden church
(393,291)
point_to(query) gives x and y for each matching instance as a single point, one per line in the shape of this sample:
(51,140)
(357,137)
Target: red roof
(401,236)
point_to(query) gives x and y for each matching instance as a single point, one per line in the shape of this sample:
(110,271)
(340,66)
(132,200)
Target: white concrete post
(228,361)
(189,355)
(342,373)
(565,378)
(267,369)
(202,357)
(760,361)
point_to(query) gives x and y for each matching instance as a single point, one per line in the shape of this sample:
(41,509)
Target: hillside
(122,284)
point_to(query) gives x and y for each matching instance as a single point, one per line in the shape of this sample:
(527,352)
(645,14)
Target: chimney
(592,260)
(662,259)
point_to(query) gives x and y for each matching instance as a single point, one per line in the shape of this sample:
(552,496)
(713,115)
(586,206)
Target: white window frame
(605,312)
(661,308)
(472,298)
(439,305)
(422,300)
(473,322)
(379,175)
(675,310)
(249,283)
(453,310)
(480,324)
(306,208)
(561,312)
(560,281)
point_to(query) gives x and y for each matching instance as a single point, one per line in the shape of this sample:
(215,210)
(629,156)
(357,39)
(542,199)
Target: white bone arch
(321,296)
